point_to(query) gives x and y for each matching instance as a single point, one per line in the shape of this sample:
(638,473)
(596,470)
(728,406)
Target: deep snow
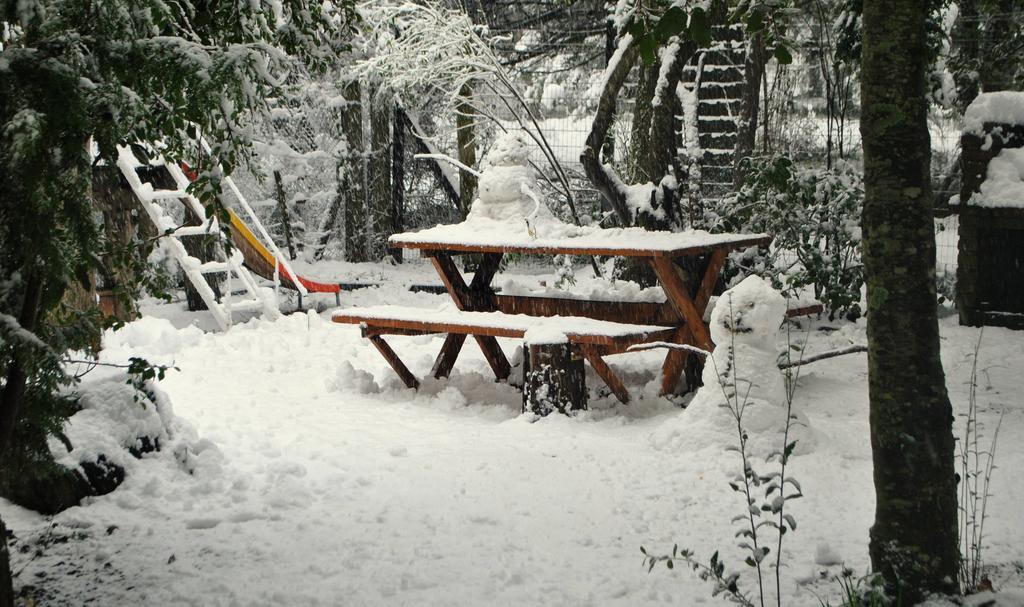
(326,482)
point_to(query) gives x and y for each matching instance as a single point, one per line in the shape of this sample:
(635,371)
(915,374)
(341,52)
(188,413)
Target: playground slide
(261,261)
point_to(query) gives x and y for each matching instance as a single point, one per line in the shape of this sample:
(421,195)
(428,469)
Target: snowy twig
(451,161)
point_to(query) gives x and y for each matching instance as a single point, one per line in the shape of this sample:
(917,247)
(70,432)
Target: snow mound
(348,379)
(118,425)
(155,335)
(1004,182)
(110,423)
(745,328)
(1002,107)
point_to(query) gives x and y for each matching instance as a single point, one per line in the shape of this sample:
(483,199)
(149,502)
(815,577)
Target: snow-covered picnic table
(621,323)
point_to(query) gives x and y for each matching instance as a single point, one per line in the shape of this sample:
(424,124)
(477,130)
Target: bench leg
(495,357)
(395,362)
(606,373)
(449,352)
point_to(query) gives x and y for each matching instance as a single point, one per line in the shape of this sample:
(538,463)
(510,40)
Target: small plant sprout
(976,467)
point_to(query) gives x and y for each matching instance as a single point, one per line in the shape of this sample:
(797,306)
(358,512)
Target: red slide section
(259,259)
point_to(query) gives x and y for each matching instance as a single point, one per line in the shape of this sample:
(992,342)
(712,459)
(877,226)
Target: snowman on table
(508,187)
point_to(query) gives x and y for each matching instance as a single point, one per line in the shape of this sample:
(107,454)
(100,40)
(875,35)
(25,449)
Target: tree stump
(553,377)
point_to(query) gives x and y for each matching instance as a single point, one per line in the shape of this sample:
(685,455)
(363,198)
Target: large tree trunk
(6,585)
(465,135)
(378,177)
(397,178)
(746,126)
(914,537)
(354,174)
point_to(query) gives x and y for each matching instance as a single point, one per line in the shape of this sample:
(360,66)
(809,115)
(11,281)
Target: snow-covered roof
(1002,107)
(484,235)
(1004,181)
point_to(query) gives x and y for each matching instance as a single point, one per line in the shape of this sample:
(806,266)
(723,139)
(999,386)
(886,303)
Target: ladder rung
(212,267)
(202,230)
(167,194)
(245,305)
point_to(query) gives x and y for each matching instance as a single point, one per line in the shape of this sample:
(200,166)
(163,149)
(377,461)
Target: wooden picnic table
(687,293)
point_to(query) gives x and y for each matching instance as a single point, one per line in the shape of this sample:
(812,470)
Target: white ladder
(255,298)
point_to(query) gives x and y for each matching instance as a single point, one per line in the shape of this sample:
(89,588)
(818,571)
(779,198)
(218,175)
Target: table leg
(675,363)
(688,309)
(477,297)
(679,296)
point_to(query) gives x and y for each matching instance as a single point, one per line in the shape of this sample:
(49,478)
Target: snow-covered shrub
(814,215)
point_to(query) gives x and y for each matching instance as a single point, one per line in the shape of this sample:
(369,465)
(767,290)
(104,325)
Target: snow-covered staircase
(252,298)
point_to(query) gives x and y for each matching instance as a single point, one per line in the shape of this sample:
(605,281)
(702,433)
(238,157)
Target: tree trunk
(746,126)
(378,177)
(397,178)
(13,391)
(282,208)
(354,173)
(466,140)
(6,584)
(914,537)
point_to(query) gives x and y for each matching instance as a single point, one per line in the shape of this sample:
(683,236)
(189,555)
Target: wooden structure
(990,269)
(594,328)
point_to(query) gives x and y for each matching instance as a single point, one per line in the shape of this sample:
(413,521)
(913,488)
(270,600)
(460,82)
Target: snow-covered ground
(329,483)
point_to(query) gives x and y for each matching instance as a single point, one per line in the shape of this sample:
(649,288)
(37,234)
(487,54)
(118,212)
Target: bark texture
(6,586)
(914,537)
(354,174)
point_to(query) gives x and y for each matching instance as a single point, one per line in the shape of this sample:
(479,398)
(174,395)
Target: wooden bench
(593,338)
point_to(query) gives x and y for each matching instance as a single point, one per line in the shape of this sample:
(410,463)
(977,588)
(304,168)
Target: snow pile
(154,335)
(118,425)
(1004,182)
(1002,107)
(508,187)
(349,379)
(745,328)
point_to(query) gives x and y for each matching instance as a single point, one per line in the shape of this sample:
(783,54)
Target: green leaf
(782,55)
(648,47)
(755,21)
(700,27)
(672,23)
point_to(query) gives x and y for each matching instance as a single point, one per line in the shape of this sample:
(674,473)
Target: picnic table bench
(594,328)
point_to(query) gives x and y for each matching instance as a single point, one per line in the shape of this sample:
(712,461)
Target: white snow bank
(155,335)
(1003,107)
(1004,182)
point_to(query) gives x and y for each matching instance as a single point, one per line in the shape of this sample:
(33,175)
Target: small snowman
(508,186)
(745,327)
